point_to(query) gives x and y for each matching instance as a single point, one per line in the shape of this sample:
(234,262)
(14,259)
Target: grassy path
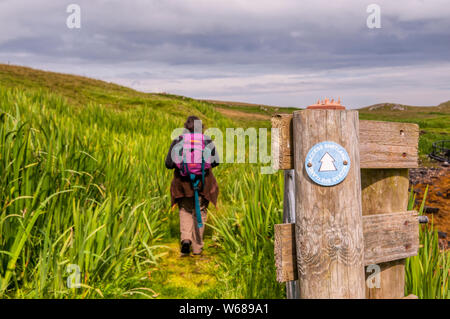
(186,277)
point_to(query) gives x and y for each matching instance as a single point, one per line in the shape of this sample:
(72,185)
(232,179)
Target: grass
(61,201)
(246,235)
(82,182)
(192,277)
(428,273)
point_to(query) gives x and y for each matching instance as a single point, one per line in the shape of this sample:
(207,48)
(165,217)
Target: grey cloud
(175,42)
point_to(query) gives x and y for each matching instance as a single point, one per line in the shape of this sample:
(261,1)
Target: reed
(427,274)
(245,233)
(77,188)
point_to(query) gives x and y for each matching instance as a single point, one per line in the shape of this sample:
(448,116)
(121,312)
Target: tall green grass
(245,233)
(85,186)
(427,274)
(78,186)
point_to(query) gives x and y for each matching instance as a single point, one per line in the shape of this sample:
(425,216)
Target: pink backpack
(193,163)
(193,160)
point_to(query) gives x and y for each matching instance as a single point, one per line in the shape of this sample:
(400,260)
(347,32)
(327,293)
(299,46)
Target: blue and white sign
(327,163)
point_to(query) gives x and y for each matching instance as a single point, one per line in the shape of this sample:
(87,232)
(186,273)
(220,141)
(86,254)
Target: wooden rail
(387,237)
(381,144)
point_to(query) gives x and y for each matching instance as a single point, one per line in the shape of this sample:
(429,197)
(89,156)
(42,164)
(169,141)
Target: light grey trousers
(188,222)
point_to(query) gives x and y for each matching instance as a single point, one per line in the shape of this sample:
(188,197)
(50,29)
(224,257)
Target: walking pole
(292,288)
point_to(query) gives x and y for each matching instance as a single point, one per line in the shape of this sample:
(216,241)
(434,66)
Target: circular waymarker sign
(327,163)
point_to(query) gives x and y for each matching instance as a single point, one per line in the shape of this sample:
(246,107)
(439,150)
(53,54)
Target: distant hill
(388,107)
(434,121)
(81,91)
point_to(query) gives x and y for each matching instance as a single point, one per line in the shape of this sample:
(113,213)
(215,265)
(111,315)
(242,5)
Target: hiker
(192,156)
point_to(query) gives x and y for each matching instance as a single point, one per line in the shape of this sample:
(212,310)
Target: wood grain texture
(388,144)
(328,226)
(387,237)
(382,144)
(284,250)
(283,158)
(386,190)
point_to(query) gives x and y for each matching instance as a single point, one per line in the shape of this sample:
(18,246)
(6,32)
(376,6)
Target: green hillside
(79,91)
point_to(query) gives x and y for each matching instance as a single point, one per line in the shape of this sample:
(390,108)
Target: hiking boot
(197,253)
(185,247)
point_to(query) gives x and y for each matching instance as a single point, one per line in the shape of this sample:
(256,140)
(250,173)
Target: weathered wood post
(385,190)
(283,122)
(376,183)
(321,249)
(328,226)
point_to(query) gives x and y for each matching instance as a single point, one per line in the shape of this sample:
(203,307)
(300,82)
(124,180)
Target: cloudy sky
(279,52)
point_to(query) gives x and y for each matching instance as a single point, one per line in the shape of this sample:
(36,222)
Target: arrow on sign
(327,163)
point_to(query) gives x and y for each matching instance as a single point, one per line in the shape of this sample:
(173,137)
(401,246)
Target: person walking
(192,156)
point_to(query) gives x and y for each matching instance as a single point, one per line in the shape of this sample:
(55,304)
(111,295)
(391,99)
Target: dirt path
(438,198)
(242,115)
(189,277)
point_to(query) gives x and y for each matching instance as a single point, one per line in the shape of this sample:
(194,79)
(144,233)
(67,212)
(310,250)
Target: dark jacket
(181,185)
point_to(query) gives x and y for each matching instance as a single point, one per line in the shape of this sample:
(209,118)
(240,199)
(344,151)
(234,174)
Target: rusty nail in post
(345,162)
(309,164)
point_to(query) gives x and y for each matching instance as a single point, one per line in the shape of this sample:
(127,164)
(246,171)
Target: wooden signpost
(360,220)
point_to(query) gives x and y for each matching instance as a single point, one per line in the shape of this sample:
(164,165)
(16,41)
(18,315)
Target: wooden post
(292,289)
(385,191)
(390,232)
(328,225)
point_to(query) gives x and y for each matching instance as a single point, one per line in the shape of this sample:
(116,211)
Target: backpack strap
(203,164)
(184,165)
(195,183)
(203,171)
